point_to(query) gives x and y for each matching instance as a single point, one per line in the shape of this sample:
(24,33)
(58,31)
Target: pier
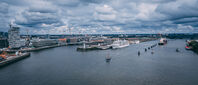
(93,47)
(11,59)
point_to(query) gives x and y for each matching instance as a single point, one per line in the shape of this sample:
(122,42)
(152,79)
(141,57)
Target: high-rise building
(3,43)
(14,37)
(3,35)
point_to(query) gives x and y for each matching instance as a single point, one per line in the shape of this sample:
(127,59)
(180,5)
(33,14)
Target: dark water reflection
(66,66)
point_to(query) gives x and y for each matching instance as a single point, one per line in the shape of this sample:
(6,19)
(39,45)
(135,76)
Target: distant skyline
(100,16)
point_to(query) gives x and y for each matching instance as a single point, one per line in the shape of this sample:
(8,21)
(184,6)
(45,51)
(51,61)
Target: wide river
(66,66)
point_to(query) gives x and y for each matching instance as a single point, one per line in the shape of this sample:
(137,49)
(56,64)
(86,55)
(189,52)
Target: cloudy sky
(100,16)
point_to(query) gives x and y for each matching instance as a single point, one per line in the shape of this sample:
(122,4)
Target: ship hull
(115,47)
(161,43)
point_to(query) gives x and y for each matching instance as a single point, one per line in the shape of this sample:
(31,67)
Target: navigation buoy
(177,50)
(152,52)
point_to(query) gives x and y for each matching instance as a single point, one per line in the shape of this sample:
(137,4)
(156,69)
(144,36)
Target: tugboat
(163,41)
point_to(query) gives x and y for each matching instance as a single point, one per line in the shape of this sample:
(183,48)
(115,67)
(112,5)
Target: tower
(14,37)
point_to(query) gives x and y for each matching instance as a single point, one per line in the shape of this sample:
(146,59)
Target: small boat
(108,58)
(188,48)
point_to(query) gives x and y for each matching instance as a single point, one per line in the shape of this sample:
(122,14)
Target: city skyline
(100,17)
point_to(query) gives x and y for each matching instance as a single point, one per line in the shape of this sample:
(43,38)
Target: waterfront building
(3,39)
(14,37)
(3,35)
(43,42)
(3,43)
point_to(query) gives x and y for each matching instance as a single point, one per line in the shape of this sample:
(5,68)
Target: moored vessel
(162,41)
(120,44)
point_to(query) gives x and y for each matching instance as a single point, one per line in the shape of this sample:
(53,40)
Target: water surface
(66,66)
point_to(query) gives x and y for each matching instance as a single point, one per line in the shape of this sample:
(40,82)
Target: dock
(37,49)
(12,59)
(33,49)
(93,47)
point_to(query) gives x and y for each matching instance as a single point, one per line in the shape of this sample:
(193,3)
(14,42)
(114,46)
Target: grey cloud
(36,17)
(179,9)
(4,16)
(181,12)
(4,8)
(101,16)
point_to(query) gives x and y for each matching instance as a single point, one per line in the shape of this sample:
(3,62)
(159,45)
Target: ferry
(120,44)
(162,41)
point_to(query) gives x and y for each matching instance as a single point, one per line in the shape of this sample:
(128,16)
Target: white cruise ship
(120,44)
(135,42)
(162,41)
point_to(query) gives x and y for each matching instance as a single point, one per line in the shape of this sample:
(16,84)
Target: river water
(66,66)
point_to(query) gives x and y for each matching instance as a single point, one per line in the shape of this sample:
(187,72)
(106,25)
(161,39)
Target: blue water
(66,66)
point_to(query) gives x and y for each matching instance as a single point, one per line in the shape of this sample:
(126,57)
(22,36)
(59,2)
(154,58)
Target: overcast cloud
(100,16)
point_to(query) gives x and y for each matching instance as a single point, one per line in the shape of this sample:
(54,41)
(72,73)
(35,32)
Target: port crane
(3,55)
